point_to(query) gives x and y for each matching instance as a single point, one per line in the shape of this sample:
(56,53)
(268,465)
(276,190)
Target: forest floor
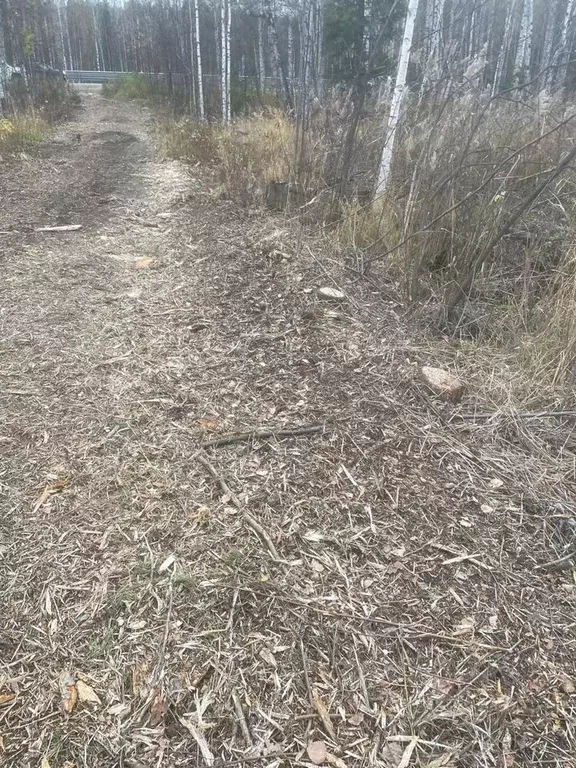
(380,585)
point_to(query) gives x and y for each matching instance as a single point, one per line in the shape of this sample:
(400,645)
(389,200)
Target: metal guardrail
(103,76)
(82,76)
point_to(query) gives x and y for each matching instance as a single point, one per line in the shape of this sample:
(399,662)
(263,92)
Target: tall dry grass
(21,132)
(463,167)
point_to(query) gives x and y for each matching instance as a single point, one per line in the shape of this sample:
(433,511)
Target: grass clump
(246,155)
(133,87)
(21,132)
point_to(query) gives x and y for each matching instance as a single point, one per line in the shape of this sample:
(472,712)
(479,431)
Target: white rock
(331,294)
(443,383)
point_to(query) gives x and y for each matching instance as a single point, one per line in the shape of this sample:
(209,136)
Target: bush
(133,87)
(20,133)
(247,155)
(50,95)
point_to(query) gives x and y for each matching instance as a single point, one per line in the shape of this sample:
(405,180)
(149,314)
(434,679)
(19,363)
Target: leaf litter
(396,617)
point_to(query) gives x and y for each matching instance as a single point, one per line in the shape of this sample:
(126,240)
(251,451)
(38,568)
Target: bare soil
(382,584)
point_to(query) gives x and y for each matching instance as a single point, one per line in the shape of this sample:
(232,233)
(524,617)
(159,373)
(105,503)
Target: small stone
(331,294)
(443,383)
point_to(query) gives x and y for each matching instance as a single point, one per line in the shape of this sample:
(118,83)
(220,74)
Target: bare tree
(397,101)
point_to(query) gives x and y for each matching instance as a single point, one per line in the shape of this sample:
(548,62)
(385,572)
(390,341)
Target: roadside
(406,598)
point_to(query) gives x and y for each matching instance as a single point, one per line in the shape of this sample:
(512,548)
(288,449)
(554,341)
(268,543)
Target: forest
(432,140)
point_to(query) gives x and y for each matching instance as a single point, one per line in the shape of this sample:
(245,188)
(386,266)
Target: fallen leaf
(336,761)
(268,657)
(209,425)
(495,483)
(464,627)
(170,560)
(317,752)
(323,712)
(445,686)
(314,536)
(86,693)
(6,698)
(158,709)
(356,719)
(407,755)
(444,761)
(68,764)
(119,709)
(68,692)
(487,509)
(392,754)
(44,763)
(136,624)
(144,263)
(50,489)
(568,684)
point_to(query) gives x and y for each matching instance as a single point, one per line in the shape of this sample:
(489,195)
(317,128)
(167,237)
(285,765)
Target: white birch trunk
(62,45)
(225,59)
(200,91)
(228,34)
(98,57)
(193,105)
(261,65)
(397,100)
(503,55)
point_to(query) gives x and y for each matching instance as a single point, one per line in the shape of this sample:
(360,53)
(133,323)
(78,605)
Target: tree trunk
(225,60)
(397,101)
(200,91)
(524,50)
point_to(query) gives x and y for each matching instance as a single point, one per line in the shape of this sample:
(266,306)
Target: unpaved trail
(404,595)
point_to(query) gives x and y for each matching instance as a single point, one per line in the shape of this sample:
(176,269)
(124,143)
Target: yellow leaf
(87,694)
(323,712)
(6,698)
(68,692)
(44,763)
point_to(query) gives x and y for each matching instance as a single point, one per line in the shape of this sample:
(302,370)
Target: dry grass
(21,132)
(411,616)
(246,155)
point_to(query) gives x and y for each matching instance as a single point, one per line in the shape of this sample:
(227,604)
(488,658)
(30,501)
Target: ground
(381,583)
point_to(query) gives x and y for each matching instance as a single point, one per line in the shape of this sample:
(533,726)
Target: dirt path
(404,596)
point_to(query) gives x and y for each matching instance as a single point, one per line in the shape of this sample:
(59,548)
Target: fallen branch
(248,519)
(200,740)
(242,719)
(520,415)
(62,228)
(553,564)
(307,429)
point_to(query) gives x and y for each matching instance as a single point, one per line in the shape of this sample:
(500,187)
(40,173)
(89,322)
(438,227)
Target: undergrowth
(21,132)
(453,236)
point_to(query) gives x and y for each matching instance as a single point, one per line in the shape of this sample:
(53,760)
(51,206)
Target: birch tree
(199,71)
(397,101)
(225,59)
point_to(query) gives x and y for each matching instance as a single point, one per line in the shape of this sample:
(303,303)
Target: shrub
(20,133)
(135,86)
